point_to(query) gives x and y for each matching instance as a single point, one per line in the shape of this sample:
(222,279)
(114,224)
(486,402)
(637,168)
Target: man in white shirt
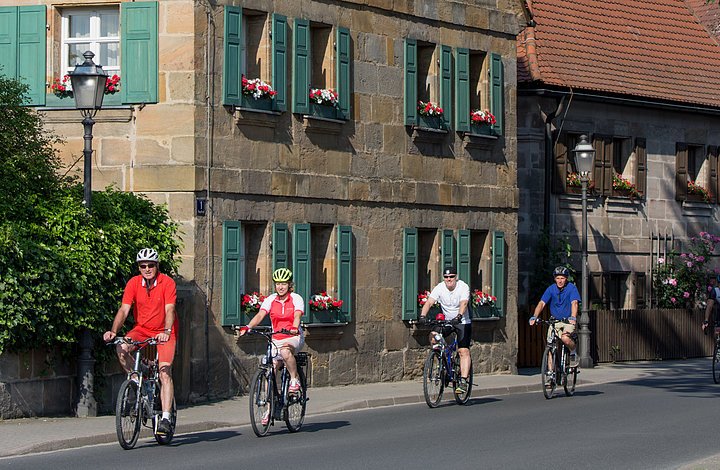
(453,295)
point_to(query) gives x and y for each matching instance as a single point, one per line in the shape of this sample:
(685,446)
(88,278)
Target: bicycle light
(440,317)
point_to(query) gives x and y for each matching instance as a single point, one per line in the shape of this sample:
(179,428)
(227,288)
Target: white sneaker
(574,361)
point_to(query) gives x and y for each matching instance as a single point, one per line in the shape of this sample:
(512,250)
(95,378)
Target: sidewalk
(25,436)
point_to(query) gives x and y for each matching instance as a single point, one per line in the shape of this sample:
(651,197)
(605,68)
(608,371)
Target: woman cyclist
(285,308)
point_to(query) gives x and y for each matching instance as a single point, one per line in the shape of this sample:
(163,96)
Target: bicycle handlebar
(453,322)
(267,334)
(128,340)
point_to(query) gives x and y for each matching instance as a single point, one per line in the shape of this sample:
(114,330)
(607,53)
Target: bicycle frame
(447,350)
(145,372)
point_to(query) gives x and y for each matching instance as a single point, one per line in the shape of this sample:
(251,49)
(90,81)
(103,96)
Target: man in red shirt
(152,297)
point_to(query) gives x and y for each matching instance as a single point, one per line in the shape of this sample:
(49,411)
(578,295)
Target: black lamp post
(584,156)
(88,84)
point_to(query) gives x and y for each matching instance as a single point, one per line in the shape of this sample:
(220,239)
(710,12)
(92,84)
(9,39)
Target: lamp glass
(584,156)
(88,83)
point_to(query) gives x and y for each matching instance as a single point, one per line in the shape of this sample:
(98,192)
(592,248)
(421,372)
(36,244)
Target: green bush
(61,269)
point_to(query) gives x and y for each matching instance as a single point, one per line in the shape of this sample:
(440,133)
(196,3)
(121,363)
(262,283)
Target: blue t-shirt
(560,301)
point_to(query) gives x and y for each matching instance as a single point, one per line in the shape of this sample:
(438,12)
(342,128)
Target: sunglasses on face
(452,276)
(147,266)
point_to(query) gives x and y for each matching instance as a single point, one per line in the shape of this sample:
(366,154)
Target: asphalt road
(665,421)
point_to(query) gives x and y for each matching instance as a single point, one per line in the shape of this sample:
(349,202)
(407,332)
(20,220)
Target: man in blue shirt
(563,299)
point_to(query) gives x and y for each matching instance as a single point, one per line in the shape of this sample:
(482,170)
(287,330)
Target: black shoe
(164,426)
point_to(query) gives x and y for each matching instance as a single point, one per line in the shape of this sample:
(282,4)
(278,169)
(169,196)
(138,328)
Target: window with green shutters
(246,54)
(428,79)
(479,88)
(312,252)
(479,257)
(322,60)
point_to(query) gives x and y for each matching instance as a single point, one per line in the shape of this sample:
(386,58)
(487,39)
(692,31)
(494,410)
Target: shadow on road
(686,379)
(205,436)
(329,425)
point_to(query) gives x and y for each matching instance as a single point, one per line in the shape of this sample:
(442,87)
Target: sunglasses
(452,276)
(146,266)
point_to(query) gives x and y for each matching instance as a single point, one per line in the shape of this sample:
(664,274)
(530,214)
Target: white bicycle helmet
(147,254)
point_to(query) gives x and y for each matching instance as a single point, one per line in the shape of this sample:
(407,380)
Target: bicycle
(442,367)
(266,400)
(562,373)
(138,400)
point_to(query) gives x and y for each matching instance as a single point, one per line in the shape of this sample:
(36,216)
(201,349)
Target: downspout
(209,133)
(549,157)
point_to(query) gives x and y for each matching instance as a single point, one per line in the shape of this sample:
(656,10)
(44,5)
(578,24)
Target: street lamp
(584,156)
(88,84)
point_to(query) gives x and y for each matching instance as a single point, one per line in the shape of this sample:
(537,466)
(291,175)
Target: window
(696,173)
(614,290)
(428,78)
(479,85)
(320,257)
(620,166)
(256,49)
(96,30)
(478,255)
(321,60)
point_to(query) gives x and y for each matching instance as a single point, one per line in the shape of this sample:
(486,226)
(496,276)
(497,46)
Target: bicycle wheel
(164,439)
(463,398)
(433,379)
(127,415)
(261,402)
(716,362)
(295,410)
(569,375)
(546,374)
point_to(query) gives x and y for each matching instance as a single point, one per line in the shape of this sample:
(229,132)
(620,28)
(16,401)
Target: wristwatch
(168,330)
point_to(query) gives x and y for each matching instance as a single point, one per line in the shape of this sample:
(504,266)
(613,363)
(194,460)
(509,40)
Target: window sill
(697,208)
(62,115)
(481,141)
(255,117)
(323,125)
(324,331)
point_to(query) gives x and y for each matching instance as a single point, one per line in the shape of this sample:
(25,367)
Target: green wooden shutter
(497,92)
(139,46)
(446,85)
(410,274)
(463,256)
(280,246)
(462,89)
(8,41)
(713,160)
(301,67)
(342,68)
(411,100)
(641,167)
(559,180)
(31,52)
(448,249)
(302,272)
(681,164)
(344,270)
(279,62)
(498,274)
(232,56)
(233,269)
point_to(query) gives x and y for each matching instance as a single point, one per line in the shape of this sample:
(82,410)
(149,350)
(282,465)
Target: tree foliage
(62,269)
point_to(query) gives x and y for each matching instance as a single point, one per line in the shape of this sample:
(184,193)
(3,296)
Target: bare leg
(167,392)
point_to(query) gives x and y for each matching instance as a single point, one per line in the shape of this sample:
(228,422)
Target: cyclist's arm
(538,310)
(709,310)
(426,308)
(463,308)
(118,322)
(573,311)
(255,321)
(296,321)
(169,320)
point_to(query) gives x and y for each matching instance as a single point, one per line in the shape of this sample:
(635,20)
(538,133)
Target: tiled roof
(707,13)
(654,49)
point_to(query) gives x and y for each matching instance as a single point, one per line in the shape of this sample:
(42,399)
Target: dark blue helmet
(561,271)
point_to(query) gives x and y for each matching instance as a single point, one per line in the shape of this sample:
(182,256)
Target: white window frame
(94,39)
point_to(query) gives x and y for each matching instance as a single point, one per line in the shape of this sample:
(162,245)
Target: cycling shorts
(166,350)
(295,342)
(463,331)
(561,328)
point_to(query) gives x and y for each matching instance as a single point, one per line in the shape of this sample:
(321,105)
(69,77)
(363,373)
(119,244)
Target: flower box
(485,311)
(324,316)
(430,122)
(323,111)
(262,104)
(481,129)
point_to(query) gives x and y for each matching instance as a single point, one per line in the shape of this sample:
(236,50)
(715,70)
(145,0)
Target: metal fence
(629,335)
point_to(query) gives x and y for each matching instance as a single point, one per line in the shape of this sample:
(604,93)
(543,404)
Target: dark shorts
(463,331)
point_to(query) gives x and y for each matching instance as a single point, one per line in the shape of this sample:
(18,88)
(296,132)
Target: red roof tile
(652,48)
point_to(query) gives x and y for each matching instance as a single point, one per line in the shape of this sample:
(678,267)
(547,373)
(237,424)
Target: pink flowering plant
(573,180)
(429,109)
(251,302)
(680,279)
(322,301)
(482,116)
(480,298)
(623,184)
(694,188)
(112,85)
(257,88)
(324,96)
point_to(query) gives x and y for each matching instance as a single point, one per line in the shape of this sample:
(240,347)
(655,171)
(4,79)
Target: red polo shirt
(149,304)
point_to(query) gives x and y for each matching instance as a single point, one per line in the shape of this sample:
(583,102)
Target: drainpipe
(549,156)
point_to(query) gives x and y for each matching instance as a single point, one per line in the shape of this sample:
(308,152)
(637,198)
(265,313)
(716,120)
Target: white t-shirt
(449,300)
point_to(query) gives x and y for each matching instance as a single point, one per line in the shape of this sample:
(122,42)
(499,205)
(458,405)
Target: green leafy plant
(63,270)
(680,279)
(623,184)
(694,188)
